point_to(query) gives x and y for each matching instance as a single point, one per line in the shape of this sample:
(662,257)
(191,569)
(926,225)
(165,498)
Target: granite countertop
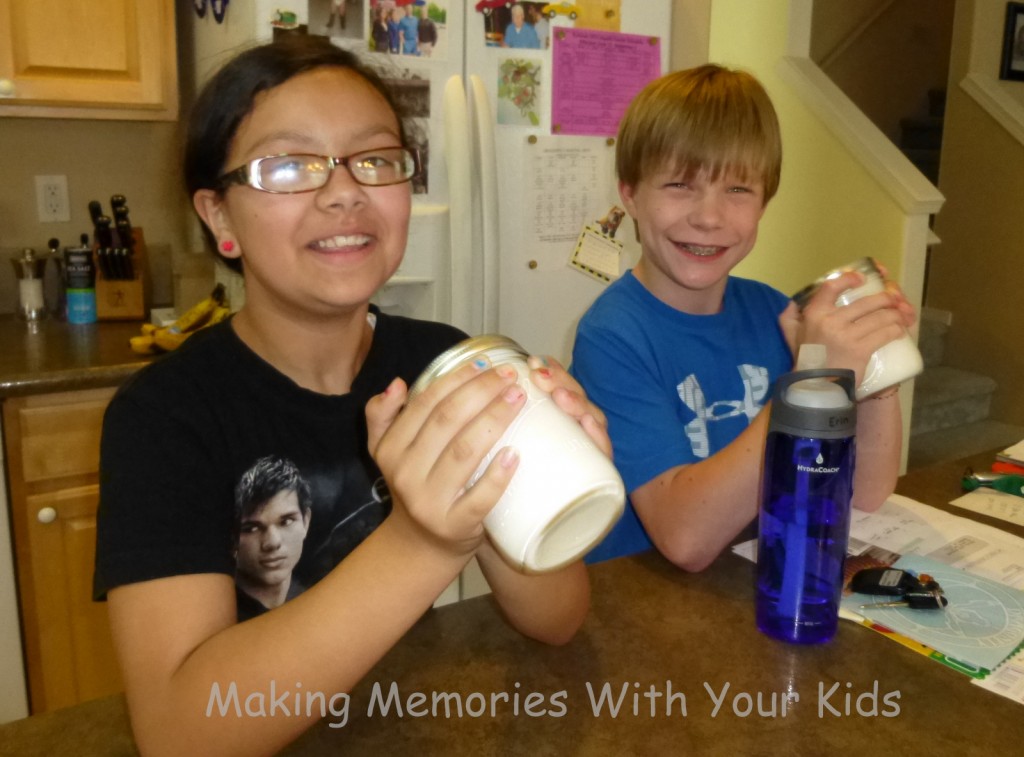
(55,356)
(657,640)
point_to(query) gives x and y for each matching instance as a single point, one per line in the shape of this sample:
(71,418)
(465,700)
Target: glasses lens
(293,173)
(391,165)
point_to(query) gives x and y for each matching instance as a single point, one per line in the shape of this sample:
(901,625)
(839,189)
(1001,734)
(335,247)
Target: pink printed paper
(595,75)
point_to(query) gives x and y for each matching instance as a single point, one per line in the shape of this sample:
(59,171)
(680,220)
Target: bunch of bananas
(156,339)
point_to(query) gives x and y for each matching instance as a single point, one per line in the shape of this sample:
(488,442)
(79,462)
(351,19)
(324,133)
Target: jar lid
(497,347)
(866,265)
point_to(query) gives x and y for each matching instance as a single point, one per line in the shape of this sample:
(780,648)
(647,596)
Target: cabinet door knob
(6,88)
(46,515)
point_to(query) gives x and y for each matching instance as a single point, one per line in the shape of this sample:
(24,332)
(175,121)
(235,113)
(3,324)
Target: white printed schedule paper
(568,180)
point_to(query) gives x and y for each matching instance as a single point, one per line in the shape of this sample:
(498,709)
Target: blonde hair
(708,118)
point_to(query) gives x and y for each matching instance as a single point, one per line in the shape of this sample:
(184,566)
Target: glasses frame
(248,173)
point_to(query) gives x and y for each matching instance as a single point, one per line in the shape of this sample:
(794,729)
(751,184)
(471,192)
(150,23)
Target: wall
(976,272)
(905,46)
(834,20)
(829,209)
(100,158)
(691,27)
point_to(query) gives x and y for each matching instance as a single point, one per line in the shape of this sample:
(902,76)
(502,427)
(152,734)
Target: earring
(227,246)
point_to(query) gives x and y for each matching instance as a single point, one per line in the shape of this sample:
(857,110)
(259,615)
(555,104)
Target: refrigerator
(517,226)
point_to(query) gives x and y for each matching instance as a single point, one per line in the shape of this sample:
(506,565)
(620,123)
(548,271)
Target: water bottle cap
(817,393)
(818,402)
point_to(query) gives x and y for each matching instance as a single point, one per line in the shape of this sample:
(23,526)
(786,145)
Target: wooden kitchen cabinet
(52,447)
(112,59)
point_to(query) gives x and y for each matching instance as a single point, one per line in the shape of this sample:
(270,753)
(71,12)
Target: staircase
(921,137)
(951,407)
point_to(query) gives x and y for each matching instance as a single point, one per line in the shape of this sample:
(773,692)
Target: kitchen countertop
(55,356)
(652,628)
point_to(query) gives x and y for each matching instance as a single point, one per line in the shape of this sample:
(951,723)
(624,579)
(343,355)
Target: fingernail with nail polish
(508,457)
(513,394)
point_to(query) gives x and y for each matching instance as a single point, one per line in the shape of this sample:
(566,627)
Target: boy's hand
(851,333)
(429,449)
(548,374)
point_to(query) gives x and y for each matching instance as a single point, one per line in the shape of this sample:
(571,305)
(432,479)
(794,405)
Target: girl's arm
(185,659)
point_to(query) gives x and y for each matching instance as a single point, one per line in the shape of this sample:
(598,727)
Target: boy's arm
(693,512)
(879,444)
(851,334)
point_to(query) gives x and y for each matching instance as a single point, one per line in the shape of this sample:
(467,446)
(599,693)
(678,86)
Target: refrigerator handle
(486,155)
(458,159)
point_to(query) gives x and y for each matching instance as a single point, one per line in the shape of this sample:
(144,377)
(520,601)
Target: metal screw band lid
(866,266)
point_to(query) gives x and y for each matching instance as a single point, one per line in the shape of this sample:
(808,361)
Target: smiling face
(693,230)
(318,252)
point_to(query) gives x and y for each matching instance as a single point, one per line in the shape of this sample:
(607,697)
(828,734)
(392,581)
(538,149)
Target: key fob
(889,582)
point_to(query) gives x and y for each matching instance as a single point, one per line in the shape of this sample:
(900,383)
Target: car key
(916,592)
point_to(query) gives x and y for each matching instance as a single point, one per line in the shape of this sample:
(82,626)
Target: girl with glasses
(296,163)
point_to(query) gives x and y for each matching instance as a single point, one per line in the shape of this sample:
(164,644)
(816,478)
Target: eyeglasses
(289,174)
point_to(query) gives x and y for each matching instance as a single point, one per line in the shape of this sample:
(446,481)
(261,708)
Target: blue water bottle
(806,487)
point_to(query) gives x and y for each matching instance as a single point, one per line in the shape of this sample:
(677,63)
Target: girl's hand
(429,449)
(549,375)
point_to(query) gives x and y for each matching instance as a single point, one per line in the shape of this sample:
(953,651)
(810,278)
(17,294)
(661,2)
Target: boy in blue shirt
(681,355)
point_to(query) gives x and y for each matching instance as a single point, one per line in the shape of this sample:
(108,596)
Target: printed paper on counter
(1007,680)
(907,527)
(995,504)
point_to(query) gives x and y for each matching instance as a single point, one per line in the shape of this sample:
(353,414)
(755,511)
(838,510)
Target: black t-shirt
(181,433)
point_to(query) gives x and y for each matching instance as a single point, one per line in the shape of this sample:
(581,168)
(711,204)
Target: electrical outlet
(52,199)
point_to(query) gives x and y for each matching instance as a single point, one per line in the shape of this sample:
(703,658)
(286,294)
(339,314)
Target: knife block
(123,299)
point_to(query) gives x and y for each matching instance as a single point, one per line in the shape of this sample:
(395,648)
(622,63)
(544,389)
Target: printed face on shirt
(315,252)
(270,541)
(693,232)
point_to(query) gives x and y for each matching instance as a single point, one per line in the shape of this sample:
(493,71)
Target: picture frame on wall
(1013,43)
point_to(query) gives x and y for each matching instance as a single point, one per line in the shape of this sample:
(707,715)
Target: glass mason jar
(892,363)
(565,495)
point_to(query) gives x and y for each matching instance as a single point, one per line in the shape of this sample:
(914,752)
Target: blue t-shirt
(410,27)
(526,36)
(676,387)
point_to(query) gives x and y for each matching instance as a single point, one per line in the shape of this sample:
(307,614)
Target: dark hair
(267,477)
(228,97)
